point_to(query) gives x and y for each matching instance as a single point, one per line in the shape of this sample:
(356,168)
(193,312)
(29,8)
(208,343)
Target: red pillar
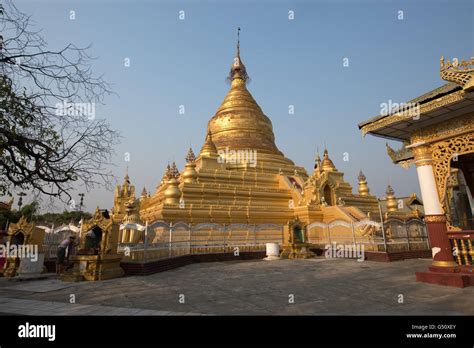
(444,270)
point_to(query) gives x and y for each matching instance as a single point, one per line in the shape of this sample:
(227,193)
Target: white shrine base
(273,252)
(29,269)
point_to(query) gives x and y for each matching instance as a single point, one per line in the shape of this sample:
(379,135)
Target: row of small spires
(190,175)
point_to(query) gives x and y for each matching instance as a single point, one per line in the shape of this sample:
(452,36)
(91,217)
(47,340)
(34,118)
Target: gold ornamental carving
(461,73)
(446,129)
(443,152)
(422,155)
(435,218)
(408,114)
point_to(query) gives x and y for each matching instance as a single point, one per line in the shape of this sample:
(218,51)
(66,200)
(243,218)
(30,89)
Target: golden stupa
(240,176)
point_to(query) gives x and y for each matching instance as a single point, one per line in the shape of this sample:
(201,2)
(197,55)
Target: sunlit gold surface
(274,190)
(106,263)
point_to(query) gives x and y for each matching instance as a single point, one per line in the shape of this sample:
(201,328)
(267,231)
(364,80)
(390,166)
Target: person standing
(65,246)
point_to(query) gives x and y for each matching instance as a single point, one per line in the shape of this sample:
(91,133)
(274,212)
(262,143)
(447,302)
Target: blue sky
(296,62)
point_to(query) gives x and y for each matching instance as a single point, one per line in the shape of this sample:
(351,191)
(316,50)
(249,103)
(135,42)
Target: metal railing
(393,235)
(166,240)
(462,245)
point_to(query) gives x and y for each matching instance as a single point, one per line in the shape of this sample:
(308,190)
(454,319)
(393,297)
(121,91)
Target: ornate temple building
(240,179)
(437,135)
(240,176)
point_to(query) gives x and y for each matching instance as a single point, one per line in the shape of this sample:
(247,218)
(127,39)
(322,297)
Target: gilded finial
(190,157)
(127,178)
(317,164)
(327,164)
(460,73)
(238,42)
(168,171)
(208,148)
(392,204)
(363,187)
(238,70)
(174,171)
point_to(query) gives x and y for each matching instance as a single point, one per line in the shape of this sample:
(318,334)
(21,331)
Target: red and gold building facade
(438,138)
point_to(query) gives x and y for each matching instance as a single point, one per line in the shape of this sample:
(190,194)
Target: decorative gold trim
(435,218)
(443,152)
(452,228)
(459,73)
(408,114)
(405,164)
(445,129)
(422,155)
(399,155)
(444,264)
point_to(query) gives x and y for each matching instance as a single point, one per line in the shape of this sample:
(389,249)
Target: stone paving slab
(319,286)
(32,307)
(43,285)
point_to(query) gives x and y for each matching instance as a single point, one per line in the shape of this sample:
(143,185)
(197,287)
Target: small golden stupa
(240,176)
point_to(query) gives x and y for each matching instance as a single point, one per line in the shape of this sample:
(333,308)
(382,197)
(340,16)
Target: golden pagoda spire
(190,157)
(392,205)
(127,178)
(189,174)
(461,73)
(327,164)
(166,176)
(317,164)
(174,172)
(209,148)
(168,171)
(238,70)
(172,192)
(363,187)
(240,123)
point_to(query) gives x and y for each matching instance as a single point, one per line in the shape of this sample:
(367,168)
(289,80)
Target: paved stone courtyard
(318,287)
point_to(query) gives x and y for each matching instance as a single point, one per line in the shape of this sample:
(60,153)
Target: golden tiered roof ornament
(327,165)
(461,73)
(208,148)
(190,157)
(174,172)
(363,187)
(172,192)
(238,70)
(317,164)
(190,174)
(392,205)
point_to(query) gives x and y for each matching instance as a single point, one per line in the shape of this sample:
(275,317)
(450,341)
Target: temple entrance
(298,234)
(459,192)
(18,239)
(97,257)
(93,239)
(328,195)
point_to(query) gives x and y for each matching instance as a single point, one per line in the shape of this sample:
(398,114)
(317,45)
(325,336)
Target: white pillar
(429,192)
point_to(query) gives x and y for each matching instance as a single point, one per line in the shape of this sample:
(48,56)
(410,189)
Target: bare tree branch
(50,139)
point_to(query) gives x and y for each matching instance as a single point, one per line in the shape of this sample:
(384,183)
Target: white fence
(165,240)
